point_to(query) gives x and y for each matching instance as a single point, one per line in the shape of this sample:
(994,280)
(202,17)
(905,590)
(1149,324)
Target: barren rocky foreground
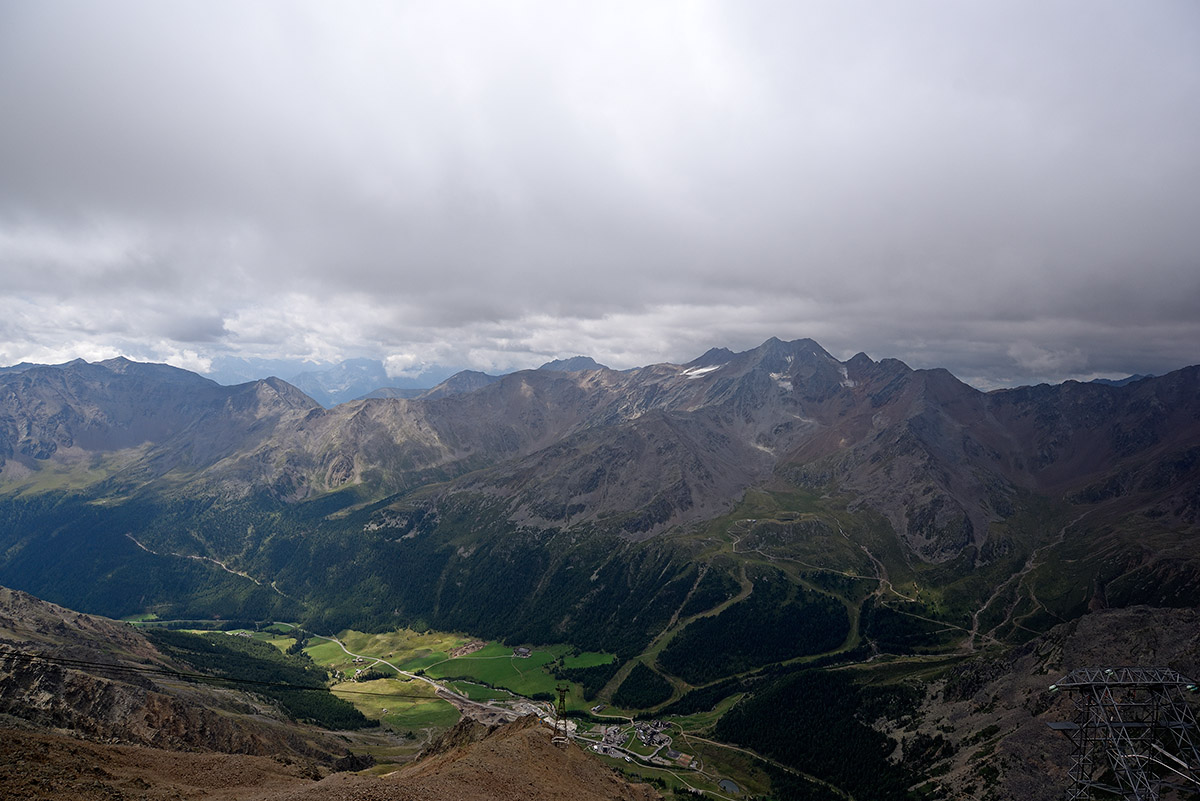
(513,762)
(509,763)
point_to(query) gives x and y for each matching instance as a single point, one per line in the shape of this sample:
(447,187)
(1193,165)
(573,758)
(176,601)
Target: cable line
(200,678)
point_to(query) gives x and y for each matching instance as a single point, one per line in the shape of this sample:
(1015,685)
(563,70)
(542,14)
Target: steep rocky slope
(994,710)
(64,671)
(117,423)
(53,767)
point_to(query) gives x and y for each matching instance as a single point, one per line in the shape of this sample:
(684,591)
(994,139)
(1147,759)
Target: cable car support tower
(561,737)
(1133,733)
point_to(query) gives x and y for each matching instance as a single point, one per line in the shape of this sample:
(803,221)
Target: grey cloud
(195,329)
(1005,189)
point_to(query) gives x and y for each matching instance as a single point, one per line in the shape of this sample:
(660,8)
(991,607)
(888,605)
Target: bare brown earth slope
(516,762)
(55,767)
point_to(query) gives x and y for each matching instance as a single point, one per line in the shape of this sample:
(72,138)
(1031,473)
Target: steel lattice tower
(560,717)
(1133,733)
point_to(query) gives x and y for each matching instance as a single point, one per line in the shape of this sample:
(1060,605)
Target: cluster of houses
(614,742)
(651,734)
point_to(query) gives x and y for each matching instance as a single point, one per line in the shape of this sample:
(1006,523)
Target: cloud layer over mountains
(1004,189)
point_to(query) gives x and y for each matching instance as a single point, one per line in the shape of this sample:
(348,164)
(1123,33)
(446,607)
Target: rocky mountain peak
(461,382)
(575,364)
(118,364)
(712,357)
(776,354)
(860,359)
(280,391)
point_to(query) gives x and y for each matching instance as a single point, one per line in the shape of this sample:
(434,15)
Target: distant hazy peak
(343,367)
(468,375)
(575,364)
(393,392)
(1120,382)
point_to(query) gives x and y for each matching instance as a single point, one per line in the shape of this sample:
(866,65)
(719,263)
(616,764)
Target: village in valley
(470,676)
(643,741)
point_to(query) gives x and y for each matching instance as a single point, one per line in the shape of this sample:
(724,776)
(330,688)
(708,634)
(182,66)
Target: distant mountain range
(657,446)
(1120,382)
(328,384)
(353,379)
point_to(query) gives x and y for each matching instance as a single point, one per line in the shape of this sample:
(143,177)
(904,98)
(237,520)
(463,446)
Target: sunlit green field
(404,648)
(479,692)
(493,666)
(329,654)
(401,704)
(407,650)
(496,665)
(280,642)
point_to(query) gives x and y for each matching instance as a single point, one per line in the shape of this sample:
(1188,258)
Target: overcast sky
(1007,189)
